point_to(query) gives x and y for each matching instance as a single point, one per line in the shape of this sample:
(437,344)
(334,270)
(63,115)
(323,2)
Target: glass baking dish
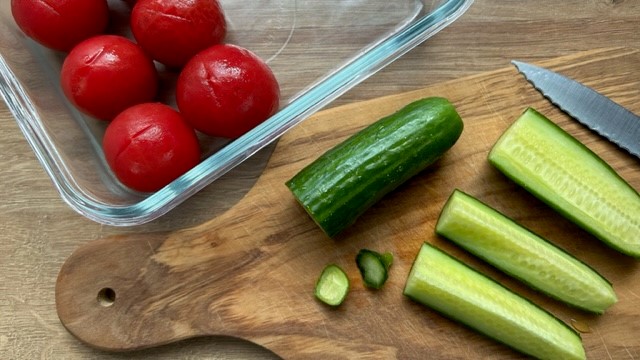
(317,49)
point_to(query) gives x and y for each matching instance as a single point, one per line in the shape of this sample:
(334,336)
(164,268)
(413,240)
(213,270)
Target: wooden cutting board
(250,272)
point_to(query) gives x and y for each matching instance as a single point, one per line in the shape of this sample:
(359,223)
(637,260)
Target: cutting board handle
(108,292)
(136,291)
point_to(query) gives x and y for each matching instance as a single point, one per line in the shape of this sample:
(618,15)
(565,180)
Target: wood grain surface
(250,272)
(38,231)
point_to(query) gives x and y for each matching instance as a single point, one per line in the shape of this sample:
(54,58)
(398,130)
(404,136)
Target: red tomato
(226,91)
(149,145)
(60,24)
(106,74)
(173,31)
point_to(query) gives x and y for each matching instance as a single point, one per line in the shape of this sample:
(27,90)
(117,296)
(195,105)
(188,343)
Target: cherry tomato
(106,74)
(60,24)
(172,31)
(149,145)
(226,91)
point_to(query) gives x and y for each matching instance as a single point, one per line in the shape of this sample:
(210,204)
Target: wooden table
(38,231)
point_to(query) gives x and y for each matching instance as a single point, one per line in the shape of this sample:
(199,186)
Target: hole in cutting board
(106,297)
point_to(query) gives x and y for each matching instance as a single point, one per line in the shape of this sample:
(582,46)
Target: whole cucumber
(345,181)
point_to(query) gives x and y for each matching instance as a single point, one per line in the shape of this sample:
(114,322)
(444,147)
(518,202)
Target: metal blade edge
(594,110)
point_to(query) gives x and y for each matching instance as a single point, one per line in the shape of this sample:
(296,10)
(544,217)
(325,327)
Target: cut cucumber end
(374,267)
(555,167)
(332,286)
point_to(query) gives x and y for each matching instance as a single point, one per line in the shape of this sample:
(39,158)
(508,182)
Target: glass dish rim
(374,58)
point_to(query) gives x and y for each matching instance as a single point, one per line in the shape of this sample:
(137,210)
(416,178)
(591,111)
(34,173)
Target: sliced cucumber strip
(332,286)
(445,284)
(374,267)
(551,164)
(519,252)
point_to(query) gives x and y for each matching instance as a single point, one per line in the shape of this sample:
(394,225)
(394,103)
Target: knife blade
(587,106)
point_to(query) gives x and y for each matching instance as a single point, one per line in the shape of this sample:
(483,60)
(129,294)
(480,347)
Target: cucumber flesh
(508,246)
(344,182)
(450,287)
(332,286)
(552,165)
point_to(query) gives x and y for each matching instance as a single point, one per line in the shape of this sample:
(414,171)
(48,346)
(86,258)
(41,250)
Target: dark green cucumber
(459,292)
(551,164)
(346,180)
(508,246)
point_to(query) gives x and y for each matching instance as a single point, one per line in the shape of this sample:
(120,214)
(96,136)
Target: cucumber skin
(536,258)
(459,292)
(591,164)
(345,181)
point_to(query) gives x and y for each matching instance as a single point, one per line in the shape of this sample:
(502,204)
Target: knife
(594,110)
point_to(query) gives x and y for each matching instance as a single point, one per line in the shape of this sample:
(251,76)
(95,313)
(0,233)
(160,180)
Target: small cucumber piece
(387,259)
(552,165)
(332,286)
(345,181)
(508,246)
(450,287)
(374,267)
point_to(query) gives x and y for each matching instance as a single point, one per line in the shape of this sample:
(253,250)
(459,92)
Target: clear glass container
(317,49)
